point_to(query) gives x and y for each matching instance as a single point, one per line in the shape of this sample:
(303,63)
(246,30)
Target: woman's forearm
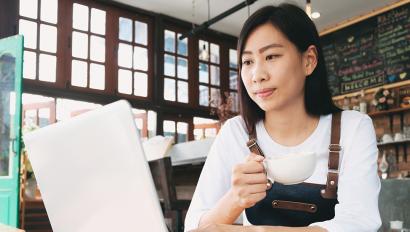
(226,211)
(235,228)
(293,229)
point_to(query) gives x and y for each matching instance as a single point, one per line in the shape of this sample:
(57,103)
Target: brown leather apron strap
(252,144)
(330,191)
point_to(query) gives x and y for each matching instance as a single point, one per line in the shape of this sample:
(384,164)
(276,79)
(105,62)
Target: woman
(286,105)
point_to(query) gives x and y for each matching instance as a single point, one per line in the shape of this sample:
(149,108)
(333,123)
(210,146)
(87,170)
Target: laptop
(93,174)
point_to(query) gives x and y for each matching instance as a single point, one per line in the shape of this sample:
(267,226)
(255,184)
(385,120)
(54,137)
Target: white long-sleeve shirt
(358,187)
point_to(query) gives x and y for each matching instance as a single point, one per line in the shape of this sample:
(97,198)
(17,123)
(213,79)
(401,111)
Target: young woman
(287,107)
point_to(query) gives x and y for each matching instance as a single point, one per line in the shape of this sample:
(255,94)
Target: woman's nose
(260,73)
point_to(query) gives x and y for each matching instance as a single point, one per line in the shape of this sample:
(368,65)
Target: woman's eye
(270,57)
(246,62)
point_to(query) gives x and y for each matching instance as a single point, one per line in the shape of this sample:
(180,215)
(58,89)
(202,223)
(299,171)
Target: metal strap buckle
(335,148)
(336,171)
(252,143)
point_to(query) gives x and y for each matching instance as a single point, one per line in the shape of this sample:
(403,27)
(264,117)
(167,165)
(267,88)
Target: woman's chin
(268,106)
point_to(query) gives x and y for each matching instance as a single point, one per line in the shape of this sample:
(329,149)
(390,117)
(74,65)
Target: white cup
(387,138)
(290,169)
(398,137)
(396,225)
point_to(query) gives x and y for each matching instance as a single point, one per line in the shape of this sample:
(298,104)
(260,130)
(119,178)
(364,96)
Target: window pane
(97,48)
(183,91)
(140,58)
(152,123)
(140,84)
(97,76)
(233,80)
(235,101)
(199,120)
(125,32)
(28,8)
(43,116)
(48,38)
(31,116)
(169,128)
(214,53)
(215,97)
(125,55)
(47,68)
(29,70)
(169,89)
(49,11)
(98,21)
(233,59)
(124,81)
(79,73)
(29,30)
(169,65)
(203,95)
(182,46)
(203,50)
(141,34)
(169,38)
(66,109)
(80,45)
(203,73)
(182,68)
(214,75)
(182,130)
(80,17)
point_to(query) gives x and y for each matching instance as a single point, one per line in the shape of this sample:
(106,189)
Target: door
(11,52)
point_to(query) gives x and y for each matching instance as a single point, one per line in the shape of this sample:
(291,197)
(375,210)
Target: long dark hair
(301,31)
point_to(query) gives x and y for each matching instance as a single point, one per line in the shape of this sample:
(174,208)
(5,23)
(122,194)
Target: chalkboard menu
(370,53)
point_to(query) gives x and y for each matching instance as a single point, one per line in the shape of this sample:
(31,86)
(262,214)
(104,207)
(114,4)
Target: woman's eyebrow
(274,45)
(262,49)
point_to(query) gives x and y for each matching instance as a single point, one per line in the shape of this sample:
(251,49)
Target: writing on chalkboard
(370,53)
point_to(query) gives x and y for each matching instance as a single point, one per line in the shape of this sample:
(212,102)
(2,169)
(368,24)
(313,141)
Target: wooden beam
(362,17)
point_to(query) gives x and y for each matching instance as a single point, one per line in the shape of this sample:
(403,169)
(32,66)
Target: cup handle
(270,181)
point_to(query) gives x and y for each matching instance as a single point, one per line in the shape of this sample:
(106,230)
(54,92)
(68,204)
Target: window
(37,111)
(205,128)
(38,23)
(88,47)
(209,74)
(175,67)
(103,52)
(146,122)
(233,80)
(178,130)
(133,57)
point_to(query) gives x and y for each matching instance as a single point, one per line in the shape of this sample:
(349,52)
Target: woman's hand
(249,182)
(248,187)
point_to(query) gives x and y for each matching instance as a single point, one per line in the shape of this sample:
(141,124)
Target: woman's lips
(264,93)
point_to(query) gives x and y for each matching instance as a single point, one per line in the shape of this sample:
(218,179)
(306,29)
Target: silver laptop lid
(93,175)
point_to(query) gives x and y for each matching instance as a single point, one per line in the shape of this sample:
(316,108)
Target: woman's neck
(290,126)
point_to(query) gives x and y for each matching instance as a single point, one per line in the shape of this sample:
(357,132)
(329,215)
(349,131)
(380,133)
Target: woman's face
(273,70)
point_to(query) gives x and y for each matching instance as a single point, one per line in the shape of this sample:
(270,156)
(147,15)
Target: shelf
(394,143)
(387,112)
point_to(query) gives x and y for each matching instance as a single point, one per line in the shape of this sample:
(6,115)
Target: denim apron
(299,204)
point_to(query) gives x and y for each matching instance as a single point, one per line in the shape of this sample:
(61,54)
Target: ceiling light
(308,8)
(315,15)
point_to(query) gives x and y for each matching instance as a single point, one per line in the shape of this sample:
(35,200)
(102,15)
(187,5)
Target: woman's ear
(310,60)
